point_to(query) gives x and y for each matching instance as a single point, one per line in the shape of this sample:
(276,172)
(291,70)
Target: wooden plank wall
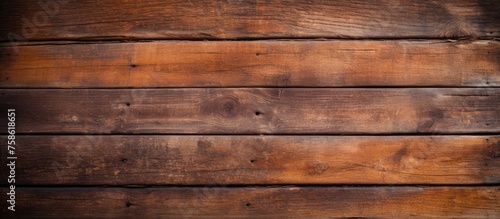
(250,108)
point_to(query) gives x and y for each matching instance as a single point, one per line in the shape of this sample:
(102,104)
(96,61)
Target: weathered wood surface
(247,19)
(252,160)
(254,110)
(291,202)
(252,64)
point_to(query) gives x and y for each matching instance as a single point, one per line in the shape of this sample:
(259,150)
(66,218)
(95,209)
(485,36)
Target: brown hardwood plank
(255,160)
(254,110)
(251,64)
(255,202)
(243,19)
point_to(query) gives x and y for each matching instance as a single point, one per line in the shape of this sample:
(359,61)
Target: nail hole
(248,204)
(252,161)
(257,113)
(487,124)
(128,104)
(257,54)
(128,205)
(133,65)
(487,82)
(6,78)
(124,160)
(487,140)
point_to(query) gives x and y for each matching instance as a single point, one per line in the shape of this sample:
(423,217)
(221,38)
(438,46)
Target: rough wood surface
(252,64)
(251,160)
(307,72)
(251,202)
(254,110)
(244,19)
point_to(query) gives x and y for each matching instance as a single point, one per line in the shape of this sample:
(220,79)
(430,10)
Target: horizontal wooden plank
(263,160)
(292,202)
(254,110)
(251,64)
(243,19)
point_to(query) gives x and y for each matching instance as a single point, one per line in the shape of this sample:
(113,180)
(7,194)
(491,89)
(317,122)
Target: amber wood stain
(253,64)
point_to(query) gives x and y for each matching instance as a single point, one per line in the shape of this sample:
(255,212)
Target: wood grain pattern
(252,160)
(254,110)
(252,64)
(292,202)
(244,19)
(134,124)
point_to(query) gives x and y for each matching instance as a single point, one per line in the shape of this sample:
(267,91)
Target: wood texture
(254,111)
(292,202)
(135,124)
(252,160)
(244,19)
(252,64)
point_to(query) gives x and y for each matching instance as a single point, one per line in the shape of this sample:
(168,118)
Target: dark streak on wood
(233,111)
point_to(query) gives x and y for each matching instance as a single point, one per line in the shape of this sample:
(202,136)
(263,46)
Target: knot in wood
(227,106)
